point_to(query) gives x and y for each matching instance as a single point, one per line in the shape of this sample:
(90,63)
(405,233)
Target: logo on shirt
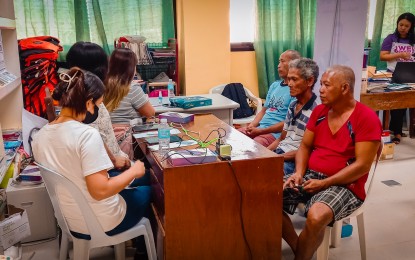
(275,103)
(402,48)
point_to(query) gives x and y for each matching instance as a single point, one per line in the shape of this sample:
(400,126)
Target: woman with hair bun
(91,57)
(76,150)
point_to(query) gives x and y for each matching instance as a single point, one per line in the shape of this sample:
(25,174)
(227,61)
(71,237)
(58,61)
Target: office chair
(53,182)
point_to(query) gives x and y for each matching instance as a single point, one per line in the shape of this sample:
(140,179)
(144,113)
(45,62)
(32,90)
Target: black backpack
(236,92)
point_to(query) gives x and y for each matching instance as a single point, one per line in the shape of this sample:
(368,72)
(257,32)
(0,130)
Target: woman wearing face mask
(399,46)
(79,155)
(91,57)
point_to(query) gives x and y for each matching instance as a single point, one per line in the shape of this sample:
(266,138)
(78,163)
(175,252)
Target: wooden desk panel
(389,101)
(201,218)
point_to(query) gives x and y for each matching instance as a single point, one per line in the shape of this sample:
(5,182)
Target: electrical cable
(240,210)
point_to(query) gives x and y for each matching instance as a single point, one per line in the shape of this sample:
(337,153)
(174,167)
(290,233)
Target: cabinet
(11,100)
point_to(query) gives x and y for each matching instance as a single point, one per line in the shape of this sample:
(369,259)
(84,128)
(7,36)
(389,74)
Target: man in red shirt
(338,147)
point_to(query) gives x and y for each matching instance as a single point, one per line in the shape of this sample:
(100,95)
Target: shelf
(6,23)
(5,90)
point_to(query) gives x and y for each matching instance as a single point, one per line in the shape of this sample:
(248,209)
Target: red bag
(38,57)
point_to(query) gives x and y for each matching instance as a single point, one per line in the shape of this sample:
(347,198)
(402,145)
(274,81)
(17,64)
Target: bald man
(269,122)
(332,162)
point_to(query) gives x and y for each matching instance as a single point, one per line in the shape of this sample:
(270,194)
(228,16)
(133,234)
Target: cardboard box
(34,200)
(387,151)
(386,136)
(14,229)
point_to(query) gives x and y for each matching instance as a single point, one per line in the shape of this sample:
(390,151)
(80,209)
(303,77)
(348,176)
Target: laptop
(404,73)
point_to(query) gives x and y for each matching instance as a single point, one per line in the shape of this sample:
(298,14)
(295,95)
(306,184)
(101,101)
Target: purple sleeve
(387,43)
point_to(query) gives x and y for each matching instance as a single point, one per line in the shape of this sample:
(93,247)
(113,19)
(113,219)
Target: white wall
(340,36)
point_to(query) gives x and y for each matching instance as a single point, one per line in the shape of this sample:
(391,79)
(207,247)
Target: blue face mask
(90,118)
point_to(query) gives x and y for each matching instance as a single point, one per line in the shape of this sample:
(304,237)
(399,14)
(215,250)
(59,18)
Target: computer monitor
(404,73)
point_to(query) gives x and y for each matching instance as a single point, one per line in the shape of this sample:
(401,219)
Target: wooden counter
(392,100)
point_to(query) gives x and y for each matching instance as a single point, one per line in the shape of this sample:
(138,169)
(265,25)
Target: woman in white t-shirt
(125,101)
(76,150)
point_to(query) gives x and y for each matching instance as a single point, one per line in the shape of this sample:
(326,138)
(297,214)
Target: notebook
(404,73)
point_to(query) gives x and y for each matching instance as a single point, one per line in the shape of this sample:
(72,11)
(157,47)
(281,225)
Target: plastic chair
(241,121)
(53,181)
(334,233)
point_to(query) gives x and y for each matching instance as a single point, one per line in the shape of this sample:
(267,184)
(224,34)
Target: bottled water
(170,88)
(164,137)
(160,98)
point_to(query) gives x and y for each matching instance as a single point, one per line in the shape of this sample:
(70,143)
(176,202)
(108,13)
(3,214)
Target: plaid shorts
(341,200)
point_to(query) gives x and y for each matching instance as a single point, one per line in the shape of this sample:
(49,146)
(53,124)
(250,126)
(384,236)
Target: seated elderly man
(267,124)
(338,147)
(302,75)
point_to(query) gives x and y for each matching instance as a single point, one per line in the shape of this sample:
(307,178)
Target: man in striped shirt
(302,75)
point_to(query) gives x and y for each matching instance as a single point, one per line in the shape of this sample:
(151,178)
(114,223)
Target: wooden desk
(197,208)
(222,107)
(392,100)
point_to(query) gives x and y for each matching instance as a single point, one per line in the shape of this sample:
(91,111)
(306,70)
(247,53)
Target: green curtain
(55,18)
(99,21)
(387,12)
(152,19)
(282,25)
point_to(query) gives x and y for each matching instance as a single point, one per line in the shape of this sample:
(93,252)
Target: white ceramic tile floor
(389,218)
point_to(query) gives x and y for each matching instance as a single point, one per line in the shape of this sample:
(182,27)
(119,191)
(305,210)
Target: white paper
(173,131)
(174,145)
(30,121)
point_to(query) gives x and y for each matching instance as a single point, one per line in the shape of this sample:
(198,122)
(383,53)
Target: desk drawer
(159,234)
(158,174)
(157,193)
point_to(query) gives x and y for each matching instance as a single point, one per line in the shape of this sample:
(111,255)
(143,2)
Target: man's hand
(274,145)
(253,131)
(250,126)
(313,186)
(293,181)
(122,162)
